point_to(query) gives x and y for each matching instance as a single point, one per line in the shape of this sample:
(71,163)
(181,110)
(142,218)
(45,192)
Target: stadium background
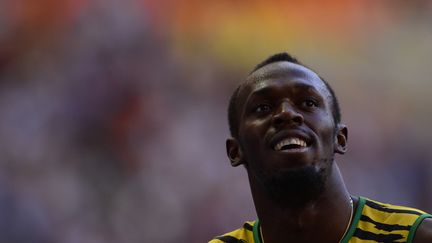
(113,113)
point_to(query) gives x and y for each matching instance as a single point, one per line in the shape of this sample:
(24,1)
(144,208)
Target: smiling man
(286,127)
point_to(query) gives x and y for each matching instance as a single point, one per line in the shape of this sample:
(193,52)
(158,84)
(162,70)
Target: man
(286,127)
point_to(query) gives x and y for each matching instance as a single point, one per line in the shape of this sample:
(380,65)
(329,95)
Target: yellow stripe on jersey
(244,234)
(380,222)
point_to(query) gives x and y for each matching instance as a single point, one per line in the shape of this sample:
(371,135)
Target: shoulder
(424,232)
(243,234)
(408,215)
(392,221)
(386,207)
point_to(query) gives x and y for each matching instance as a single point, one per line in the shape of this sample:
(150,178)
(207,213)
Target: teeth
(290,141)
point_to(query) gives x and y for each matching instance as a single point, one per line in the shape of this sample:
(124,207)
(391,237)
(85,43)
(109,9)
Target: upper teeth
(290,141)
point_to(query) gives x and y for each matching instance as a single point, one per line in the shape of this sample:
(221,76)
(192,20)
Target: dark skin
(424,232)
(279,102)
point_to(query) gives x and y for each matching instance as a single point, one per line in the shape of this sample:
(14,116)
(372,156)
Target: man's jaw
(294,188)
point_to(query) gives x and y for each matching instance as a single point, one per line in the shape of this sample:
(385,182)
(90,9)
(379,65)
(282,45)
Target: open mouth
(288,144)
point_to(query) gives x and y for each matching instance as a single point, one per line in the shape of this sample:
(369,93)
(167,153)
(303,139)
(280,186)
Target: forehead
(282,73)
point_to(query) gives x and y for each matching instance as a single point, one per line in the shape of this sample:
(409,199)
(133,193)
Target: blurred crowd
(113,125)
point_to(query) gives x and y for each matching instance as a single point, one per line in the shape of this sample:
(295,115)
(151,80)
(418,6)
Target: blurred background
(113,113)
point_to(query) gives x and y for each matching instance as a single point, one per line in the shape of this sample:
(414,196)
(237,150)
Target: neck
(321,220)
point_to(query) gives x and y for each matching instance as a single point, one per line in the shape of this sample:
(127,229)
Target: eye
(263,108)
(309,103)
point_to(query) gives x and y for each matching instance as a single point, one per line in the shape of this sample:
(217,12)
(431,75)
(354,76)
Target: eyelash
(257,108)
(308,104)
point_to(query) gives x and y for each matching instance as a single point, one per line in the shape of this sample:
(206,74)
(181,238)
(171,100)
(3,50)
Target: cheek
(256,127)
(253,134)
(324,128)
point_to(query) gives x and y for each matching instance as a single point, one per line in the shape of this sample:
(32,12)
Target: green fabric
(256,232)
(355,220)
(415,226)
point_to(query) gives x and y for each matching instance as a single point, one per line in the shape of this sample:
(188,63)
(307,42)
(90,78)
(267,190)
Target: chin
(294,187)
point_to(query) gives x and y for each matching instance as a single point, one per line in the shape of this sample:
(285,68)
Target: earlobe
(341,139)
(234,152)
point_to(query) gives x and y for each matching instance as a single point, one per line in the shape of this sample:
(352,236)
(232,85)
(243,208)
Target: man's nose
(286,113)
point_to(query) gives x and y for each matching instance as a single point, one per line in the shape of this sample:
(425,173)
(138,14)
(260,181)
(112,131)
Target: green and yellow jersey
(373,222)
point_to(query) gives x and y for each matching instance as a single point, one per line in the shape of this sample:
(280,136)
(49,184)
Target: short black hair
(279,57)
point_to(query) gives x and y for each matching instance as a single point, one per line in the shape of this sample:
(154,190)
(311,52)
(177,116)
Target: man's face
(286,124)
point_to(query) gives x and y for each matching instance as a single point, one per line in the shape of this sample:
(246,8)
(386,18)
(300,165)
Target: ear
(341,139)
(234,152)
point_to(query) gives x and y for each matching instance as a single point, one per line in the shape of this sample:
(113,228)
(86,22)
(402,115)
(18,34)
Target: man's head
(279,57)
(285,125)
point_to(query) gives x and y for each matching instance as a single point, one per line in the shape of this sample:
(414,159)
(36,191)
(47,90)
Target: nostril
(298,119)
(280,119)
(287,117)
(277,120)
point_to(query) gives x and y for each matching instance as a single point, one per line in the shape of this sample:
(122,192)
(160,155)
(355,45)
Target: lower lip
(293,150)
